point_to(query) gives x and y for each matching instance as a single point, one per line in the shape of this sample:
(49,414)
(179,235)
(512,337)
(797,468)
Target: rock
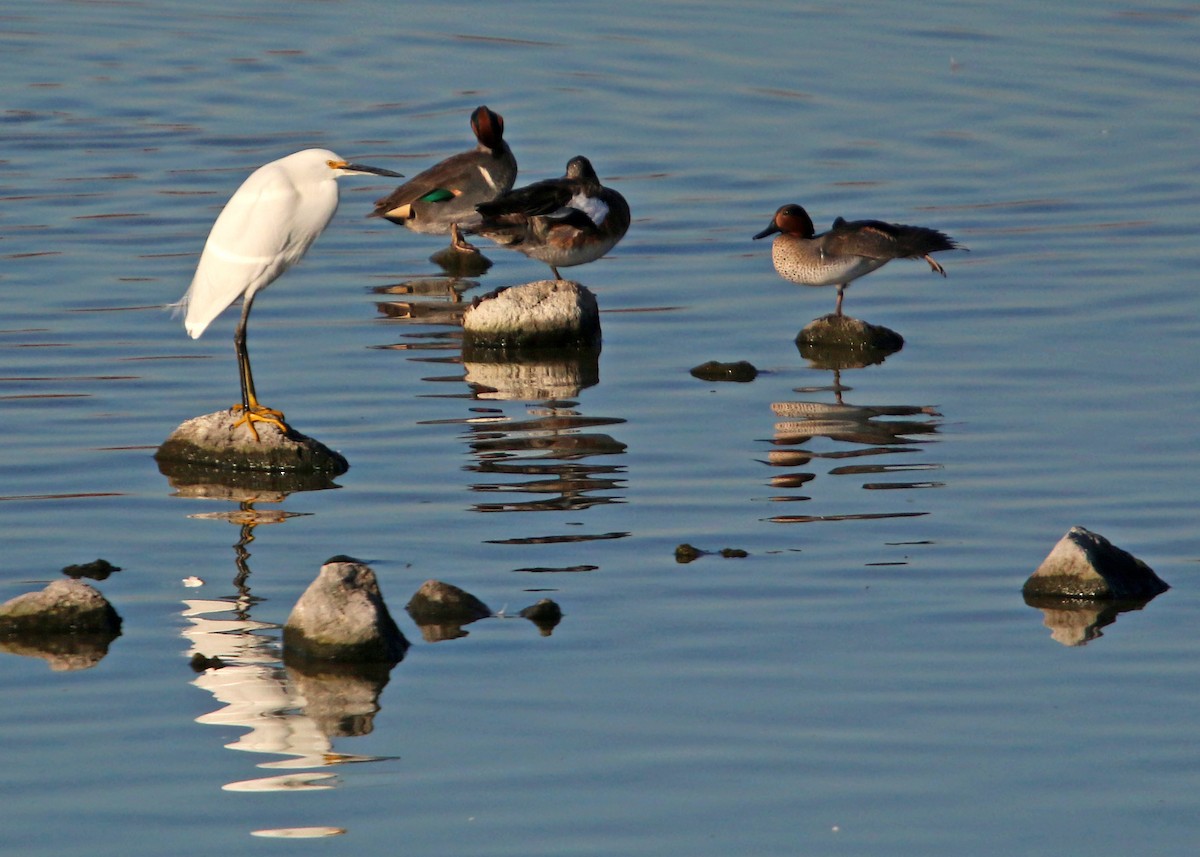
(546,614)
(541,314)
(461,258)
(342,617)
(1086,565)
(850,334)
(436,601)
(441,609)
(213,441)
(97,569)
(199,663)
(686,553)
(742,371)
(63,607)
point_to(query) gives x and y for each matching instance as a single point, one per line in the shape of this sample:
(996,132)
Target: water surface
(867,680)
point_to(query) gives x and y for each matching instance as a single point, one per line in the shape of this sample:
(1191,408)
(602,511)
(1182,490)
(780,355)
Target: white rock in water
(1086,565)
(342,617)
(544,313)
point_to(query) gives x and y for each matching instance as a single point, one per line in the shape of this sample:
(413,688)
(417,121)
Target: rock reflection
(544,456)
(857,431)
(1076,622)
(289,710)
(62,653)
(541,461)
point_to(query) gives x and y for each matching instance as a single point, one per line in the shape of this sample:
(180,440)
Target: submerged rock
(541,314)
(546,614)
(63,607)
(686,553)
(342,617)
(852,334)
(214,441)
(741,372)
(1088,566)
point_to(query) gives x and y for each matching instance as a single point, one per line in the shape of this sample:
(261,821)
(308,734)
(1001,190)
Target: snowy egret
(562,222)
(446,194)
(849,250)
(265,228)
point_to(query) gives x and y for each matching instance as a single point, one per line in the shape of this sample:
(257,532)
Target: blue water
(868,680)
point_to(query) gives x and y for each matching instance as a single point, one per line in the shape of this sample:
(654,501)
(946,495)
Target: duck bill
(770,230)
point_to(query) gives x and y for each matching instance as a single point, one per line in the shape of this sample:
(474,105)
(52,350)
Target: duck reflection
(806,427)
(430,300)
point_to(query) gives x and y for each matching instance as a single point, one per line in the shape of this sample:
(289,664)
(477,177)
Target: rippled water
(866,680)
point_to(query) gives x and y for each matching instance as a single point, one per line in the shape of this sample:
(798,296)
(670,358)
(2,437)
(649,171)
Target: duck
(849,250)
(445,195)
(563,222)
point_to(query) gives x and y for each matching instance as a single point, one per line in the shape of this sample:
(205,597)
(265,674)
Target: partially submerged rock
(215,441)
(342,617)
(1085,565)
(68,624)
(436,601)
(850,334)
(541,314)
(686,553)
(741,372)
(97,569)
(546,614)
(461,258)
(63,607)
(441,609)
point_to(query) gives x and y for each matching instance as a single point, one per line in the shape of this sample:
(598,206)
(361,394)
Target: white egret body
(265,228)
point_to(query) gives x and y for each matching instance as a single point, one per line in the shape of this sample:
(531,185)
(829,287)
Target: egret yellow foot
(260,414)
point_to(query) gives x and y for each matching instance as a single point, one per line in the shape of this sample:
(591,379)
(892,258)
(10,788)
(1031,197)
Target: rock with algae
(214,440)
(851,334)
(1085,565)
(342,617)
(62,607)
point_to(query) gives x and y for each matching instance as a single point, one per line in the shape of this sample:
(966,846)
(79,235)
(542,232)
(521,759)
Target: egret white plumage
(266,227)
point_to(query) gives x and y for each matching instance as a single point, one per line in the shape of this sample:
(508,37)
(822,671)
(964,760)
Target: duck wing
(875,239)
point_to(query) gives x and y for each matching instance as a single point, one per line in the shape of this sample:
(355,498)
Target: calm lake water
(866,681)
